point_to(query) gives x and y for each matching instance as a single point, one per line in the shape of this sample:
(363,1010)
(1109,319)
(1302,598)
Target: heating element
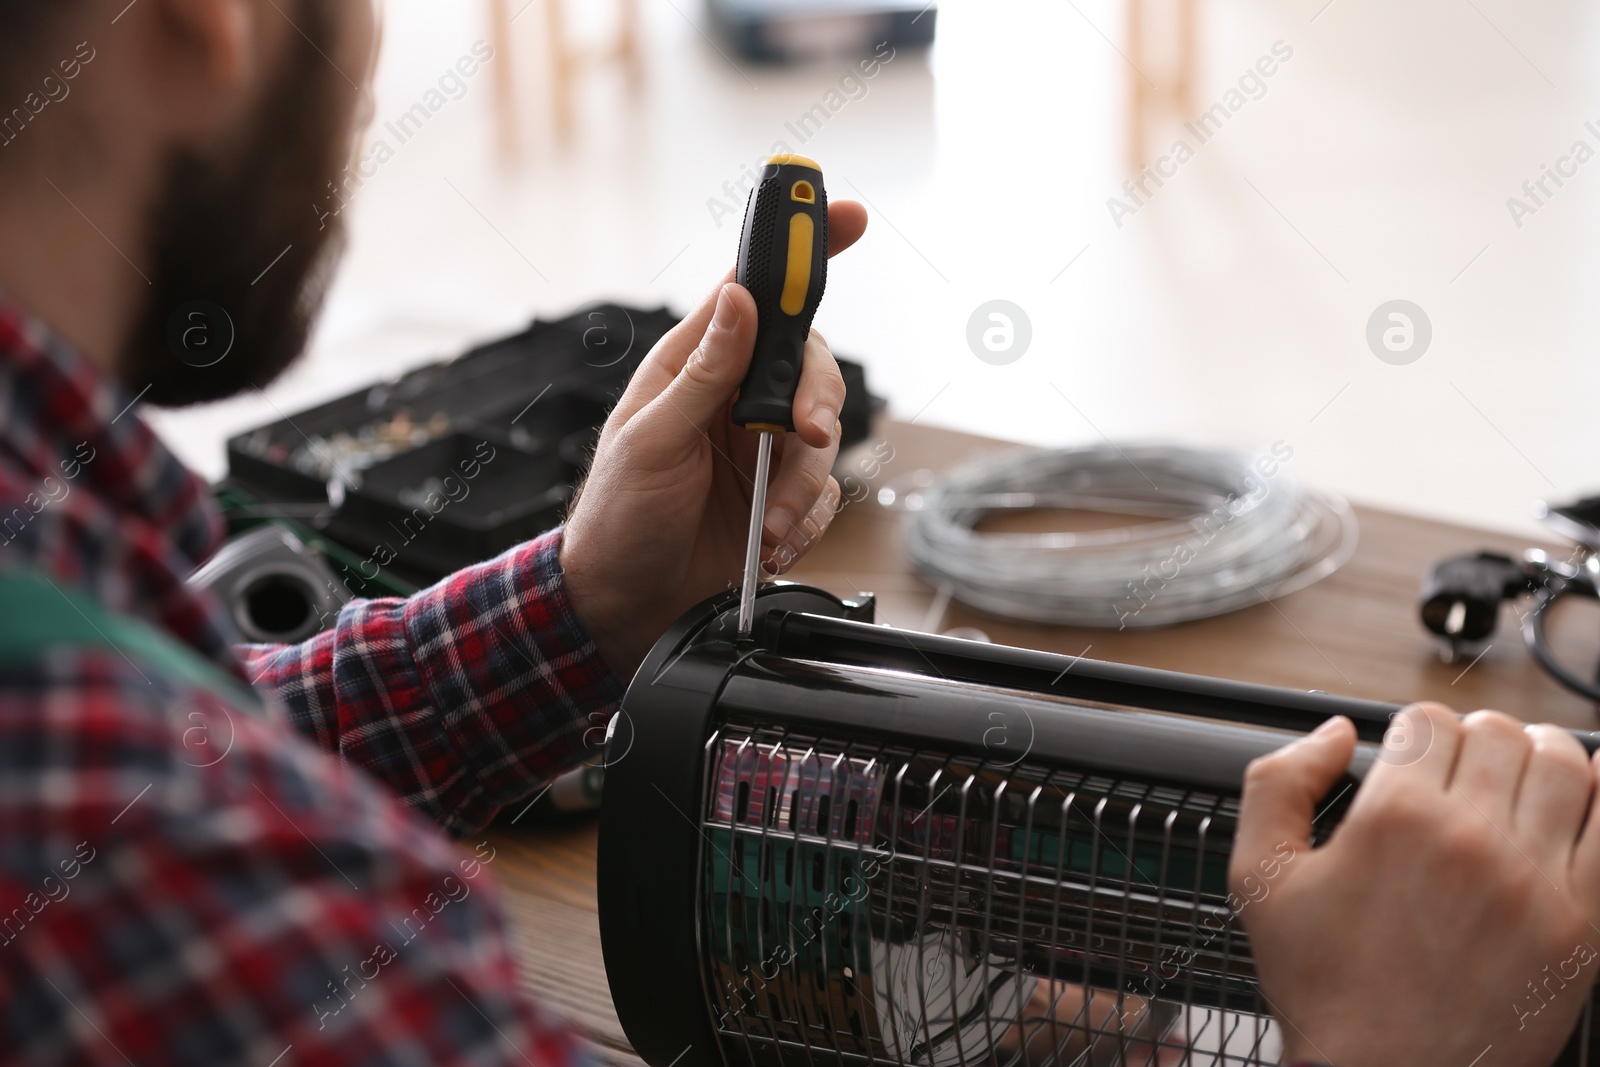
(849,844)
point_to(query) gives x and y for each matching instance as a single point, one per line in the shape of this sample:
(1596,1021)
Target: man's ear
(219,42)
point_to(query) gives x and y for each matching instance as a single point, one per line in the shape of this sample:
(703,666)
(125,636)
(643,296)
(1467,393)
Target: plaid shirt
(187,882)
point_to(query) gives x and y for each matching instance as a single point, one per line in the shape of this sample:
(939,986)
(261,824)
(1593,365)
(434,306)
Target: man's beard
(242,255)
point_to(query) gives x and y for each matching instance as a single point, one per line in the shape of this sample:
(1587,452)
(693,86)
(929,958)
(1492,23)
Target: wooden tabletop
(1354,633)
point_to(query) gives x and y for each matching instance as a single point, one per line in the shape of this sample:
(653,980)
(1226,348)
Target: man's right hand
(1451,918)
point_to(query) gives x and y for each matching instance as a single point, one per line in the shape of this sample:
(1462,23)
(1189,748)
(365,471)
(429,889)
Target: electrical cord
(1227,531)
(1533,633)
(1461,598)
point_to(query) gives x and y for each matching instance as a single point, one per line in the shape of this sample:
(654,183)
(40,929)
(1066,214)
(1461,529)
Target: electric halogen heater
(840,843)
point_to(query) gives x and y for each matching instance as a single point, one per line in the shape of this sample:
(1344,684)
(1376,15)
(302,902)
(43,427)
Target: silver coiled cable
(1226,530)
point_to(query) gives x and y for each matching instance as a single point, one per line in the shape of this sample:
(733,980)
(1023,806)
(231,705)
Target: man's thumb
(712,373)
(1281,791)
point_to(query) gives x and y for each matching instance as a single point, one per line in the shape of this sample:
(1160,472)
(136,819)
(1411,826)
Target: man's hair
(24,29)
(21,19)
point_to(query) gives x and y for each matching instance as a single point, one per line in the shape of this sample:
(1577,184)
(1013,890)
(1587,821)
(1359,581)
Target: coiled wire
(1228,530)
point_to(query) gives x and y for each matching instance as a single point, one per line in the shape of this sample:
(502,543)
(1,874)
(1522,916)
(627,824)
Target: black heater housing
(843,843)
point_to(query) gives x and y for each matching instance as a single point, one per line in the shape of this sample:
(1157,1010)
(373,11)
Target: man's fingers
(802,477)
(1419,747)
(710,376)
(1489,767)
(1586,857)
(1553,799)
(820,397)
(667,358)
(802,496)
(847,221)
(1281,792)
(804,535)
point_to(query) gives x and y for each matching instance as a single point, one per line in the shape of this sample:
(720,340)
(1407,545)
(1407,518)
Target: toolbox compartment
(465,496)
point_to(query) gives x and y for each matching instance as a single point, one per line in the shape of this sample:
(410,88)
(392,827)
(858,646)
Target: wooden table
(1354,633)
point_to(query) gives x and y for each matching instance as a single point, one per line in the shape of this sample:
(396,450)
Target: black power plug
(1460,600)
(1461,597)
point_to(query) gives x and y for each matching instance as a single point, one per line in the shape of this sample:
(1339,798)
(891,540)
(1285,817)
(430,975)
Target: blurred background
(1226,300)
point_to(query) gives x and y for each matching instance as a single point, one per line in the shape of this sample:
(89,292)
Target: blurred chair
(567,62)
(1153,89)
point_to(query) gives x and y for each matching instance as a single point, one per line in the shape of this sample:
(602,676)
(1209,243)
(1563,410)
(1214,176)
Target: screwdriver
(783,261)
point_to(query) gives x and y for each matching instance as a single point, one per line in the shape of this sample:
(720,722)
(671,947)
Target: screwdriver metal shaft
(752,548)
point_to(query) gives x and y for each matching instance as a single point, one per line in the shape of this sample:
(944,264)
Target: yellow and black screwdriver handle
(783,261)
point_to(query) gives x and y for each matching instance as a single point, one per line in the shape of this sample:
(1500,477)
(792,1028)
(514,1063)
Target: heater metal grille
(869,902)
(812,858)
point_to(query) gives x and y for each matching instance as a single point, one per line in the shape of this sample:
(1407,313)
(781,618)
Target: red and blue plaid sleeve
(463,698)
(187,884)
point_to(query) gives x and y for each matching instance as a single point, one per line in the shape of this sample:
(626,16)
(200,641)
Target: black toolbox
(456,461)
